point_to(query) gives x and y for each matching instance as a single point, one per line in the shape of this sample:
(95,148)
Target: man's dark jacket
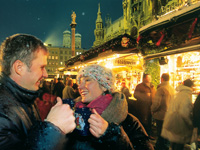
(20,124)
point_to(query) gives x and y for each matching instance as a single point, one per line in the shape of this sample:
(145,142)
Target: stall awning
(123,44)
(175,51)
(174,32)
(172,17)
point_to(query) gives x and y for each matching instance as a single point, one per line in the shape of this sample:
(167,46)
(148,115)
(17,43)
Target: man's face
(147,79)
(33,75)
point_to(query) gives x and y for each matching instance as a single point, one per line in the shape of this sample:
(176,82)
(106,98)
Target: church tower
(67,39)
(99,31)
(77,40)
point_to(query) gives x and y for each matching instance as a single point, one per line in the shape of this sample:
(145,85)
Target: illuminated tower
(98,32)
(67,39)
(77,40)
(73,26)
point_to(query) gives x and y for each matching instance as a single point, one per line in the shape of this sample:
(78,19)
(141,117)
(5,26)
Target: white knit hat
(102,75)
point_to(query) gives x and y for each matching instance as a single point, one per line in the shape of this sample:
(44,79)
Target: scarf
(98,104)
(115,111)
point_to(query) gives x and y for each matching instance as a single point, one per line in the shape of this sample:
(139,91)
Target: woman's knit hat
(102,75)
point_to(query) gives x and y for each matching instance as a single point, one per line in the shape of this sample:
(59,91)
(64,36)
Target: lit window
(49,57)
(52,57)
(61,62)
(56,57)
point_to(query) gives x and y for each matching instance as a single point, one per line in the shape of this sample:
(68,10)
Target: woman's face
(89,89)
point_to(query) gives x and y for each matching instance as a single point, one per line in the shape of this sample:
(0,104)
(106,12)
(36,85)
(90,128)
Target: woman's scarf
(113,108)
(99,104)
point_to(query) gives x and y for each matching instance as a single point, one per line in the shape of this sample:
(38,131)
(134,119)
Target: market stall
(175,41)
(119,54)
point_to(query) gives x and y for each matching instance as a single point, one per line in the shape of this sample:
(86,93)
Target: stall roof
(172,17)
(123,44)
(176,30)
(175,51)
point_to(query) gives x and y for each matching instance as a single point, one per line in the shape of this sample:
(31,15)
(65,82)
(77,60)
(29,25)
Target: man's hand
(97,124)
(62,116)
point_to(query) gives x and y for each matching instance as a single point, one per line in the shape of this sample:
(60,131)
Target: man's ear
(18,67)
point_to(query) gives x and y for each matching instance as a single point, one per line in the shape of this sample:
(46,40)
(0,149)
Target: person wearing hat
(177,125)
(111,126)
(125,90)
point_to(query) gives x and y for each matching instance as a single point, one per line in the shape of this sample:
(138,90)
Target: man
(160,106)
(23,67)
(125,90)
(58,88)
(68,91)
(144,93)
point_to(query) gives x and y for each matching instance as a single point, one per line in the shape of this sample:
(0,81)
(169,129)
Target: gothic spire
(99,19)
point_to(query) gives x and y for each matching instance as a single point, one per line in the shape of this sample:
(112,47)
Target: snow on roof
(172,15)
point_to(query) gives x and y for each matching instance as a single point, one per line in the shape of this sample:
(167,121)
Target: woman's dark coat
(128,135)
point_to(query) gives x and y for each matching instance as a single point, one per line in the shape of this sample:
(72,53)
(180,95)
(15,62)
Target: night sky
(48,19)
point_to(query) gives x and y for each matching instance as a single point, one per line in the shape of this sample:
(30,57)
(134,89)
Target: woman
(111,126)
(177,126)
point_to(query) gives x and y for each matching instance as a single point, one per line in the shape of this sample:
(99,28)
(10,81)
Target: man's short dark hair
(188,83)
(145,75)
(165,76)
(69,82)
(19,47)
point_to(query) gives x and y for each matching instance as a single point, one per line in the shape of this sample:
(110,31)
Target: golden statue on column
(73,18)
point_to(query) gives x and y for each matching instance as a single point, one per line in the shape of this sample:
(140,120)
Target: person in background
(159,107)
(144,93)
(68,91)
(75,87)
(125,90)
(58,88)
(23,67)
(111,126)
(44,100)
(51,86)
(196,121)
(178,130)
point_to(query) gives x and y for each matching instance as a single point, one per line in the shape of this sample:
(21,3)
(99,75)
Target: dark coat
(144,95)
(196,113)
(129,135)
(20,124)
(58,89)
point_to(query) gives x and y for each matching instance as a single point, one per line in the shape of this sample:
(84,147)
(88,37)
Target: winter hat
(102,75)
(188,83)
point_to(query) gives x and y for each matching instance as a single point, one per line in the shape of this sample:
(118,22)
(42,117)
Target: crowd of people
(167,109)
(23,125)
(176,117)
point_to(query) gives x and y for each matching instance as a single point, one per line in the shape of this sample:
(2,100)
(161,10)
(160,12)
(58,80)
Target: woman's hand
(97,124)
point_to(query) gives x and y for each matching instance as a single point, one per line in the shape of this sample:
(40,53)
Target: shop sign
(124,62)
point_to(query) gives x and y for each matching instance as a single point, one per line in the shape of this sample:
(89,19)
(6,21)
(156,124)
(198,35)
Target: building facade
(57,57)
(136,14)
